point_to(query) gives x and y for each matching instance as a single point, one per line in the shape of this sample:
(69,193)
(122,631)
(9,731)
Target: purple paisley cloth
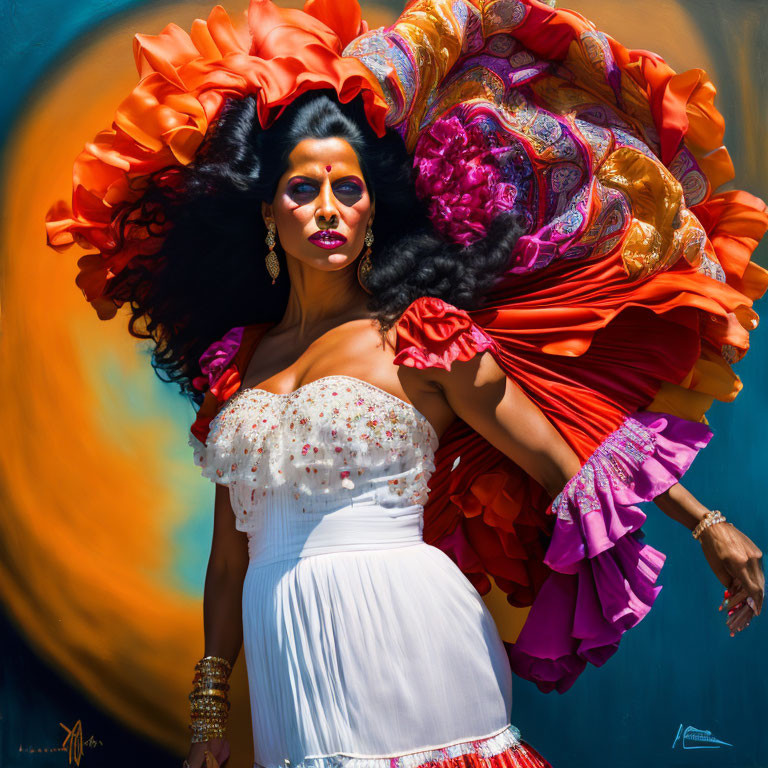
(603,579)
(508,117)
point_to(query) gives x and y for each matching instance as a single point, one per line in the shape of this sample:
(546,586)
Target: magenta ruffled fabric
(217,357)
(603,576)
(459,178)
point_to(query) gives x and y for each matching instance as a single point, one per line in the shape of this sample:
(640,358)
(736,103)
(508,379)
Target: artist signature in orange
(74,743)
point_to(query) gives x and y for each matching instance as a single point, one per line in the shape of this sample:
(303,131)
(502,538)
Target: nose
(327,213)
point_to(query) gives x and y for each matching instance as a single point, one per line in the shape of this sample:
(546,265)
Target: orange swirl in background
(107,522)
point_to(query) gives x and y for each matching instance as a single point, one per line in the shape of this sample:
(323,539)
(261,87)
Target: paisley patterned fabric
(598,147)
(632,288)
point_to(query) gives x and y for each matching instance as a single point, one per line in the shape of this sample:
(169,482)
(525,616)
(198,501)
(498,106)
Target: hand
(208,754)
(740,612)
(737,562)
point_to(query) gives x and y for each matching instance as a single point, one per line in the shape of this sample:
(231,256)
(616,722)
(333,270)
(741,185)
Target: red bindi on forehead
(328,168)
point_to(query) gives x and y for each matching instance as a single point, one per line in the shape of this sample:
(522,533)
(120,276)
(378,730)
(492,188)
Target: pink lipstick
(327,238)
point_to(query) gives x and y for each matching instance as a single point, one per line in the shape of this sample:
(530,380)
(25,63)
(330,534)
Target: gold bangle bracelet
(213,662)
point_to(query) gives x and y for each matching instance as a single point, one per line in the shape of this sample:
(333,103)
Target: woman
(321,358)
(368,496)
(327,447)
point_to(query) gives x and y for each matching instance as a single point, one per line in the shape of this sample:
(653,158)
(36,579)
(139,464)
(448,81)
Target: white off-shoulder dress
(365,646)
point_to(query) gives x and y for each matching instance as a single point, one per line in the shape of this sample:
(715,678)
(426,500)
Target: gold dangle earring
(271,260)
(364,266)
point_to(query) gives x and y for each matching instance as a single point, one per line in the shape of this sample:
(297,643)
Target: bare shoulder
(465,376)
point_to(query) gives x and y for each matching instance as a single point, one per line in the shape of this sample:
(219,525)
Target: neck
(321,300)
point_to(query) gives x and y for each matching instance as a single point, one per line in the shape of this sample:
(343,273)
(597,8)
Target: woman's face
(322,208)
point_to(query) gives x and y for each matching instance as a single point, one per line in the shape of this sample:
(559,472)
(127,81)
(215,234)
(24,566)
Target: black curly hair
(209,275)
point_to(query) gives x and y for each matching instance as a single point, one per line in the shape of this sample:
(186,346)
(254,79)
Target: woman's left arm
(480,393)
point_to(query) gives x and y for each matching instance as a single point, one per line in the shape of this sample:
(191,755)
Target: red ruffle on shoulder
(486,513)
(432,334)
(616,328)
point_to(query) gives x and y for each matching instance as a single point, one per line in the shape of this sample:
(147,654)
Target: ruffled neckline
(324,379)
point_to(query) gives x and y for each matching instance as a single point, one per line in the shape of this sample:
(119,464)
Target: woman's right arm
(227,564)
(222,603)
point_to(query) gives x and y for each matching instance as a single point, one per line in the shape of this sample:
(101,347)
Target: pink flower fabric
(457,175)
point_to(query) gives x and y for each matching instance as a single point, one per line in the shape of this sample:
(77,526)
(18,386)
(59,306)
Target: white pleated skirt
(370,653)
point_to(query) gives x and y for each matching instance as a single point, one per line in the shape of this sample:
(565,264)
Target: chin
(332,262)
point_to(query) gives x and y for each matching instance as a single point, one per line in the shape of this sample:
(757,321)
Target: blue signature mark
(695,738)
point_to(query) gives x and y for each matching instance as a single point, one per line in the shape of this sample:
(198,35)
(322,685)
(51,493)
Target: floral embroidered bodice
(333,440)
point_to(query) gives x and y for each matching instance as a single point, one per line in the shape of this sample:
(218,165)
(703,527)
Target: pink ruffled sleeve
(222,366)
(433,334)
(603,577)
(219,380)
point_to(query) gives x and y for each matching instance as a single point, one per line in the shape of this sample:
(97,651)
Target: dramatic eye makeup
(348,190)
(303,190)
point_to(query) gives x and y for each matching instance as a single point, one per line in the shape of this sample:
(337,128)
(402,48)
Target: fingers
(740,619)
(753,589)
(741,607)
(755,600)
(747,568)
(757,591)
(732,598)
(748,582)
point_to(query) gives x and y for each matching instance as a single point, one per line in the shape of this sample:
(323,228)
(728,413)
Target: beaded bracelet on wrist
(710,518)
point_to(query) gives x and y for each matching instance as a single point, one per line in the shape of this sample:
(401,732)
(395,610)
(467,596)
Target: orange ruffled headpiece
(184,81)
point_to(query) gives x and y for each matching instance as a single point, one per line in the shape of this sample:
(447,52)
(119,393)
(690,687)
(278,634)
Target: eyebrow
(348,177)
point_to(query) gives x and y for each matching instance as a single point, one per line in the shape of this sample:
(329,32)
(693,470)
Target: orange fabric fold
(735,222)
